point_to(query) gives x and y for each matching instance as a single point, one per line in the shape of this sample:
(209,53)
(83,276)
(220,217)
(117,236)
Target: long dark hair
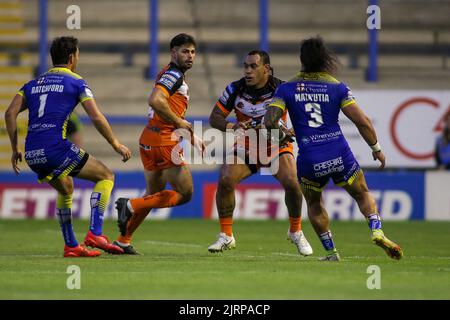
(316,57)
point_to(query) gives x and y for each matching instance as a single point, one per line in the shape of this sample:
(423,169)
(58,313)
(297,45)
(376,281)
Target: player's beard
(182,64)
(187,65)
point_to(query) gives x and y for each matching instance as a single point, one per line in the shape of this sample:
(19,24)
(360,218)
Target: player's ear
(173,53)
(71,59)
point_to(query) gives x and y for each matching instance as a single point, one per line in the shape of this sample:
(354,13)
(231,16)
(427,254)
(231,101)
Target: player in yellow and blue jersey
(314,99)
(50,99)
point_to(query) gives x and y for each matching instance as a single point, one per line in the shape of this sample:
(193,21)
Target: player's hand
(290,135)
(184,124)
(243,125)
(198,144)
(123,151)
(380,157)
(15,159)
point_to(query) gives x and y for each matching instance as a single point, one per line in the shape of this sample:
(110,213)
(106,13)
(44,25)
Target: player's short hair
(262,54)
(182,39)
(316,57)
(62,48)
(264,57)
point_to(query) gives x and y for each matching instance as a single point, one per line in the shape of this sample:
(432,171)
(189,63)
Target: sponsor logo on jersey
(249,109)
(175,73)
(325,136)
(88,93)
(49,78)
(223,100)
(166,82)
(305,140)
(36,156)
(171,78)
(311,87)
(75,148)
(41,126)
(225,96)
(328,167)
(300,87)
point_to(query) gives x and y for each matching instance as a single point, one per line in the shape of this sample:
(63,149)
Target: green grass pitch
(176,264)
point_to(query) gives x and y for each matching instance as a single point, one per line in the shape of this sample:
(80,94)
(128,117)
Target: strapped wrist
(375,147)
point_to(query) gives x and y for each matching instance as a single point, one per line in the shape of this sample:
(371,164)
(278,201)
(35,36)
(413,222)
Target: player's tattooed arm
(218,120)
(273,115)
(282,134)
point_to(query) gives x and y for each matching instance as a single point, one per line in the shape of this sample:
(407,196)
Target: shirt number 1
(42,100)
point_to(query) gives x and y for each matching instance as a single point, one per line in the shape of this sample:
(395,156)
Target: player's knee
(107,175)
(67,190)
(360,195)
(186,195)
(315,208)
(313,203)
(291,185)
(226,183)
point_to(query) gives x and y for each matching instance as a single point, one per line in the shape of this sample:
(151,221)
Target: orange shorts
(160,158)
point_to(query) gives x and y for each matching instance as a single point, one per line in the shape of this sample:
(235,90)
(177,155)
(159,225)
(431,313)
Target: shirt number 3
(315,113)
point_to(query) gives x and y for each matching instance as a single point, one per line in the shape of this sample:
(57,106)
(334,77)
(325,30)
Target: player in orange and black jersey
(248,98)
(161,156)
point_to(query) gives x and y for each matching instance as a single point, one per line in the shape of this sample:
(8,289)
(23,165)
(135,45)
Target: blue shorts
(314,169)
(55,161)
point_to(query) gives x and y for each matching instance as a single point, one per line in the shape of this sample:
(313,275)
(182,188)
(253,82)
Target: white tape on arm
(375,147)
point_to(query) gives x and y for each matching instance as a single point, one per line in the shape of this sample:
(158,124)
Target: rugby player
(161,154)
(248,98)
(314,99)
(50,99)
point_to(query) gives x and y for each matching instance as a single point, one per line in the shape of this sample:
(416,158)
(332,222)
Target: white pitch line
(63,272)
(285,254)
(174,244)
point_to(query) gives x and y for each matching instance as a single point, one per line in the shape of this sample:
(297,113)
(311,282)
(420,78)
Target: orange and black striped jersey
(248,103)
(171,81)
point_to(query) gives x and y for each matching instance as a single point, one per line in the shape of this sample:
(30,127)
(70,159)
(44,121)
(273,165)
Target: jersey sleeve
(84,92)
(279,100)
(21,91)
(346,96)
(226,100)
(170,81)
